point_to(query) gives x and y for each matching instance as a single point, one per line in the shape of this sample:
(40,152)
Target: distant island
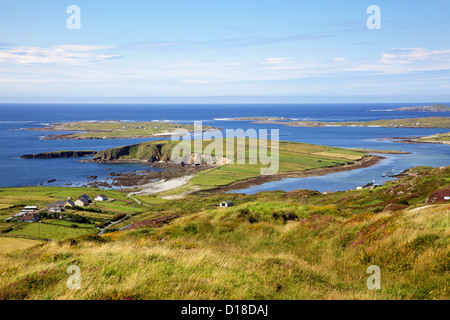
(429,122)
(439,138)
(433,108)
(115,129)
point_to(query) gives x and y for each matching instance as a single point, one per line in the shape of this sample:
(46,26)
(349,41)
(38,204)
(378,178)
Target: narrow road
(130,195)
(102,231)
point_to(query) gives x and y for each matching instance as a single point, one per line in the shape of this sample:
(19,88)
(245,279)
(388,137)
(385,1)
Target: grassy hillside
(272,245)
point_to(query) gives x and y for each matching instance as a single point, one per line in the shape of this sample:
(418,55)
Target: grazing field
(8,244)
(293,157)
(50,231)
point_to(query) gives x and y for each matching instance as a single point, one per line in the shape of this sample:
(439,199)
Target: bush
(285,216)
(84,238)
(74,226)
(423,241)
(119,216)
(21,288)
(404,201)
(6,230)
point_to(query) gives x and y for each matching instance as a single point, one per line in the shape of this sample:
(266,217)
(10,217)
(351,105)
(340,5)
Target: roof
(85,196)
(84,200)
(102,196)
(29,216)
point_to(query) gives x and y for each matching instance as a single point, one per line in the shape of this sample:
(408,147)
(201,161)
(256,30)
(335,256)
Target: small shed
(30,208)
(226,204)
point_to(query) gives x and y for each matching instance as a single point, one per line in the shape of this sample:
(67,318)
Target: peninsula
(439,138)
(295,160)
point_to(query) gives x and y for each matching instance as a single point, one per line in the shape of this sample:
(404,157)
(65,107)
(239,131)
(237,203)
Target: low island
(428,122)
(115,129)
(433,108)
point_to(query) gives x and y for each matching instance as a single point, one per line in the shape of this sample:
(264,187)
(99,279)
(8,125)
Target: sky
(218,51)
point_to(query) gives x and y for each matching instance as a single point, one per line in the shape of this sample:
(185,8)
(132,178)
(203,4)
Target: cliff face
(60,154)
(150,152)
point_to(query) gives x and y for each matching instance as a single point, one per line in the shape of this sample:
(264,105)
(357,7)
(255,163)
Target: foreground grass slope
(272,245)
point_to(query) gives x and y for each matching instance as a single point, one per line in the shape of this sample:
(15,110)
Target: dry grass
(215,255)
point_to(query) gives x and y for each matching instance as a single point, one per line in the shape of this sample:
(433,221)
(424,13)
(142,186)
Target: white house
(226,204)
(101,197)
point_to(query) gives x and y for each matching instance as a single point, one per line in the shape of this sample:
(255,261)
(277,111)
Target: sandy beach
(163,185)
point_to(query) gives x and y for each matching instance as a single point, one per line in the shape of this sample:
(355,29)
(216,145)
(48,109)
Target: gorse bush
(22,288)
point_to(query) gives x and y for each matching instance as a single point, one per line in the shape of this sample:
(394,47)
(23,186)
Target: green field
(12,200)
(8,244)
(39,230)
(293,157)
(440,137)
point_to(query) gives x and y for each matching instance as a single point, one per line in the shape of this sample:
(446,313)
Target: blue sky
(246,50)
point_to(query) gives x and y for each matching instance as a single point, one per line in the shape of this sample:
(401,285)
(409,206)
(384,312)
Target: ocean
(15,141)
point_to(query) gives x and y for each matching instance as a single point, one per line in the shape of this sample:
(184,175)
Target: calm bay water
(14,141)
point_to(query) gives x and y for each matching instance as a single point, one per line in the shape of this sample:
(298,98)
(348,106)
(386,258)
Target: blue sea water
(15,141)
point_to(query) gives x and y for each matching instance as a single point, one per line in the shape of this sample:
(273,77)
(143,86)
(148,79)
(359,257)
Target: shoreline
(359,164)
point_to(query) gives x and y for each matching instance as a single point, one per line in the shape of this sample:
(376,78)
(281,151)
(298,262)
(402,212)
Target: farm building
(86,197)
(81,202)
(101,197)
(29,217)
(59,206)
(226,204)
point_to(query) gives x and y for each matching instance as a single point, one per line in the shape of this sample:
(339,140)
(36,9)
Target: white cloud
(338,59)
(275,60)
(65,54)
(409,55)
